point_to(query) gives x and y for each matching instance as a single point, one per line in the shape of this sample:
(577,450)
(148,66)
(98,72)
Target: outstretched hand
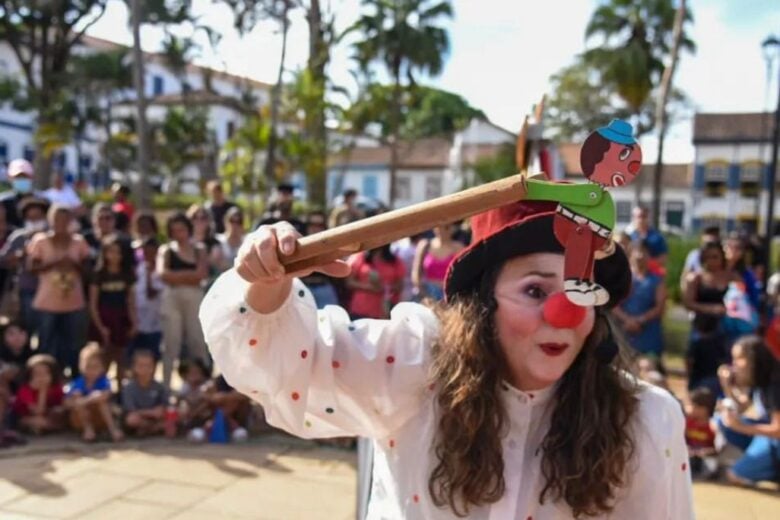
(258,259)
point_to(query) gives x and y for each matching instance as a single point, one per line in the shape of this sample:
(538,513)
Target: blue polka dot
(242,309)
(329,409)
(301,293)
(351,327)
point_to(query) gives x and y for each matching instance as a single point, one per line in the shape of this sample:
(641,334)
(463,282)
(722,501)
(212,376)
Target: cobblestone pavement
(272,477)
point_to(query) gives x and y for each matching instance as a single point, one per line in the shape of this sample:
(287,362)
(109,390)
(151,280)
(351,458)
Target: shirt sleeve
(102,384)
(35,248)
(25,398)
(77,385)
(316,373)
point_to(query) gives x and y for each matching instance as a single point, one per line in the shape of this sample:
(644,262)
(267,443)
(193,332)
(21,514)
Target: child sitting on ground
(144,399)
(194,407)
(700,434)
(735,378)
(14,352)
(89,397)
(38,405)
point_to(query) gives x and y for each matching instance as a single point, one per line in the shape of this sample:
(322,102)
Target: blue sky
(504,51)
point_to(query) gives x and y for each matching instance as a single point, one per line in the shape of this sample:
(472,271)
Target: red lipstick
(553,349)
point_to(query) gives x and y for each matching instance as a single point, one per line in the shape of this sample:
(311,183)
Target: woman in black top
(703,295)
(183,267)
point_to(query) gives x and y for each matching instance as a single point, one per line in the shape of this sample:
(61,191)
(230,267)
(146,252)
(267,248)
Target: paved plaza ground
(272,477)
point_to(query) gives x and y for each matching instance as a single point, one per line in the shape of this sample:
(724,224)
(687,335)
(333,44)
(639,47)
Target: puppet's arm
(575,194)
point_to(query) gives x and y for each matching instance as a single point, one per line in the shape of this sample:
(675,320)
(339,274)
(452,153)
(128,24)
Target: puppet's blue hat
(618,131)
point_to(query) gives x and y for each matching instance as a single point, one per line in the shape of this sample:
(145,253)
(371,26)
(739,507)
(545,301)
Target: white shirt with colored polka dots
(317,374)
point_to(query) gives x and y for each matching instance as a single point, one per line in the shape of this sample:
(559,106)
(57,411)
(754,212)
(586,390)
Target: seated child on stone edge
(143,398)
(89,397)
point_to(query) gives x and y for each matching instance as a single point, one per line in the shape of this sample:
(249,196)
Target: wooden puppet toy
(585,215)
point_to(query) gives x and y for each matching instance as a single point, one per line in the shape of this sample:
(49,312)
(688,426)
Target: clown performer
(506,401)
(585,216)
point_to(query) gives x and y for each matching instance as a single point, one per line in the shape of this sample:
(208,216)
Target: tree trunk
(142,187)
(394,128)
(661,115)
(319,55)
(276,99)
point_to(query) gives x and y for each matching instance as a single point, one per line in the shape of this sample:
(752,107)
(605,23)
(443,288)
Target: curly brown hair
(589,444)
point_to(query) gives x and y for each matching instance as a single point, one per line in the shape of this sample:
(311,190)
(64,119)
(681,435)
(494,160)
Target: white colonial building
(731,176)
(427,168)
(217,91)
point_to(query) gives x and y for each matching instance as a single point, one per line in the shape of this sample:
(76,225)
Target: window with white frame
(715,178)
(750,179)
(432,187)
(403,188)
(675,213)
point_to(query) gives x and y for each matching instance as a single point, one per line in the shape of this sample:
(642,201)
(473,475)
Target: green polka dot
(668,452)
(307,424)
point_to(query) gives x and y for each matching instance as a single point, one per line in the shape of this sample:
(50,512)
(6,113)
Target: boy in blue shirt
(89,397)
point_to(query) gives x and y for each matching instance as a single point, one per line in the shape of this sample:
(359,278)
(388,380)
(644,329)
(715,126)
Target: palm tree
(157,12)
(662,117)
(635,41)
(404,37)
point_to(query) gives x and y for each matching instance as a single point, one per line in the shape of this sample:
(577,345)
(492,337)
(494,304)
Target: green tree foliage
(406,38)
(425,112)
(42,36)
(489,169)
(181,139)
(634,39)
(580,102)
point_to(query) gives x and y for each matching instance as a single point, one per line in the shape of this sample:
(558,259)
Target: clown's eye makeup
(624,153)
(535,291)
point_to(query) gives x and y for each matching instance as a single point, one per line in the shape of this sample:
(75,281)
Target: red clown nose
(561,313)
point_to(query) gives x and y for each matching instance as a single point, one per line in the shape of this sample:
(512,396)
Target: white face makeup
(537,353)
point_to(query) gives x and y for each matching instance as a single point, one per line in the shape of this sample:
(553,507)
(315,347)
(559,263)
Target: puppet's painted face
(619,166)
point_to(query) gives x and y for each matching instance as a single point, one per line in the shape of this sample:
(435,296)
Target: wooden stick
(369,233)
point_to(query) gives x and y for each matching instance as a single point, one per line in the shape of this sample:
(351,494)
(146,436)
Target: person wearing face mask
(20,175)
(32,211)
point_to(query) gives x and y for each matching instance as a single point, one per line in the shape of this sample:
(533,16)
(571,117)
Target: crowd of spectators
(89,293)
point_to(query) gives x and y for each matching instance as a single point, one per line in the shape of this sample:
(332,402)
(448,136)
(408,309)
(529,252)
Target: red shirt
(368,303)
(699,434)
(27,398)
(125,207)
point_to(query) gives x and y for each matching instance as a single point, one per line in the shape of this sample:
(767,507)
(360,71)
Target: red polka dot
(335,364)
(432,386)
(530,518)
(392,443)
(390,359)
(252,342)
(531,396)
(295,396)
(416,498)
(304,354)
(684,466)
